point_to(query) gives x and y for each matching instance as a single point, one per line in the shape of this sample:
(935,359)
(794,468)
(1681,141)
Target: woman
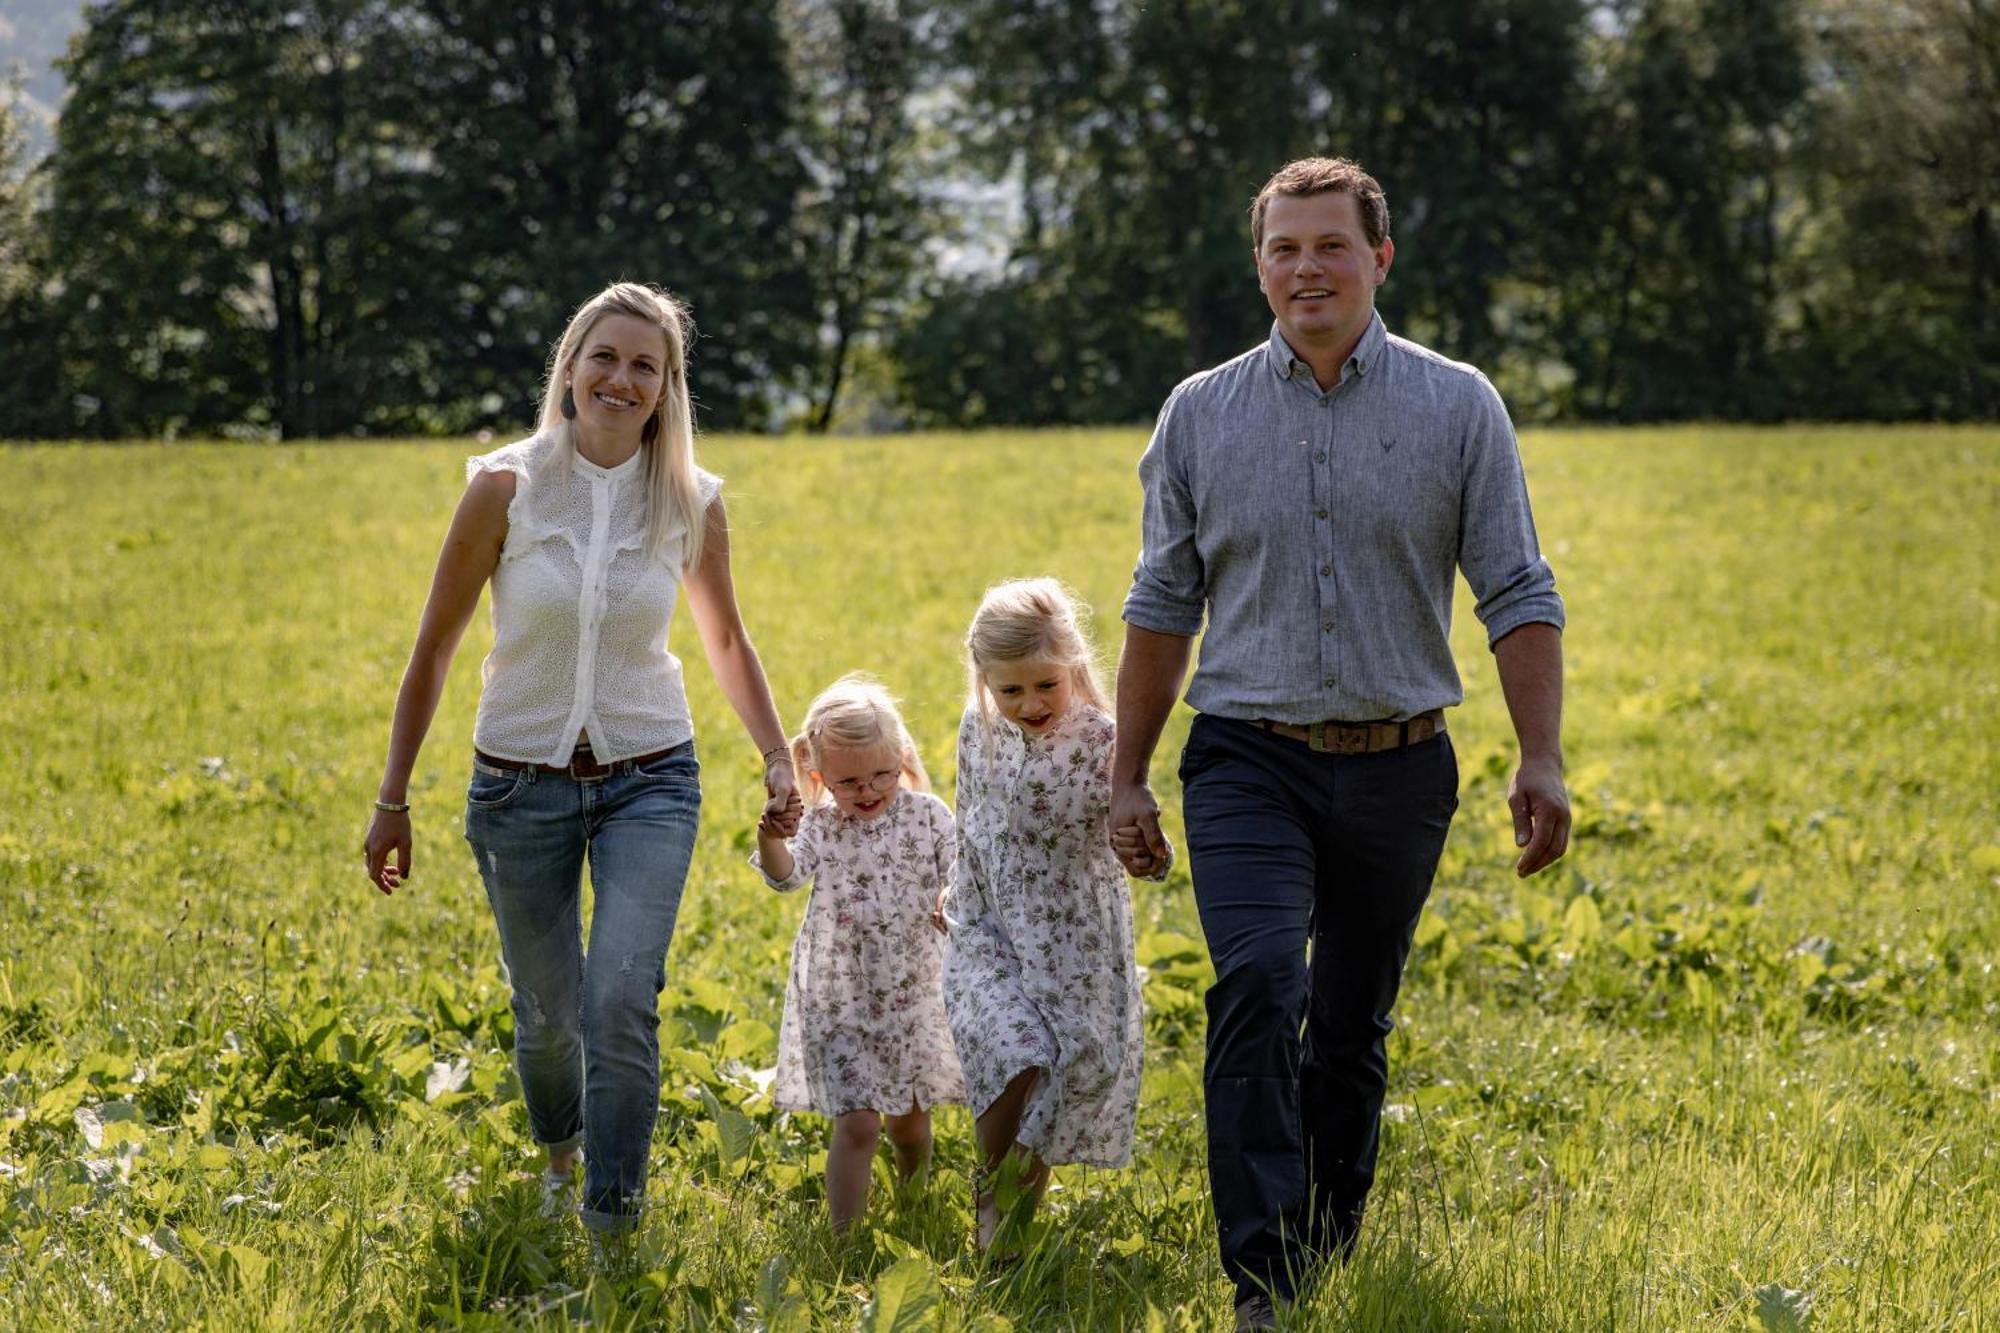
(583,745)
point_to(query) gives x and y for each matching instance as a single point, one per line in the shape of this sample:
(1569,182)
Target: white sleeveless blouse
(580,612)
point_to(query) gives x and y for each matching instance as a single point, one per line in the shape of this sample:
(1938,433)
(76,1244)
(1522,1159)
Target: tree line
(309,218)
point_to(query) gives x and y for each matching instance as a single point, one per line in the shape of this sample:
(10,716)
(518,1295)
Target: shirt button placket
(1324,472)
(591,608)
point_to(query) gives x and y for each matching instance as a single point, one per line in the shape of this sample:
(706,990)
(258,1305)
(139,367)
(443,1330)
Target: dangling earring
(568,404)
(651,430)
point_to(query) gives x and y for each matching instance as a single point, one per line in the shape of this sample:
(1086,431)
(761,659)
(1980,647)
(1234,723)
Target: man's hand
(1540,805)
(1135,830)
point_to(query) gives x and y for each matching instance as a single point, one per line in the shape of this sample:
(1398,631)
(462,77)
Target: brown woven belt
(582,766)
(1360,737)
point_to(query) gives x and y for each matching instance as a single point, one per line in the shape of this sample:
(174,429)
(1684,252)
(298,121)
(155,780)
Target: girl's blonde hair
(1029,618)
(853,713)
(672,493)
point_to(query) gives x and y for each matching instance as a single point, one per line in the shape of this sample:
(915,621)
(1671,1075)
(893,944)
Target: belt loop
(1406,732)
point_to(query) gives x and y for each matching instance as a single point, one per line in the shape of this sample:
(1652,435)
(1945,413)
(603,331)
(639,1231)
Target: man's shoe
(1255,1312)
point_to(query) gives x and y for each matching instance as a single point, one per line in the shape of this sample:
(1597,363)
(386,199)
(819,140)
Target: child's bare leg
(996,1130)
(850,1159)
(910,1136)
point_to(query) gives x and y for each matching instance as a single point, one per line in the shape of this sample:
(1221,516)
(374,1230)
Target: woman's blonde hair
(1023,619)
(672,493)
(853,713)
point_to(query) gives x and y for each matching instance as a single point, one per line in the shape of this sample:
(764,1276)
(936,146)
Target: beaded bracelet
(393,807)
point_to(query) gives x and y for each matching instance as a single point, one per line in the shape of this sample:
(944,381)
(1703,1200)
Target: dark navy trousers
(1290,848)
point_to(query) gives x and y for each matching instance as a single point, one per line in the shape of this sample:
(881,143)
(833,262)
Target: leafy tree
(1669,311)
(32,397)
(632,139)
(231,197)
(1141,133)
(344,215)
(1891,277)
(862,218)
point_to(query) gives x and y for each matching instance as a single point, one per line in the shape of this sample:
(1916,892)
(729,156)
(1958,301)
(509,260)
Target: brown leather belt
(1360,737)
(582,766)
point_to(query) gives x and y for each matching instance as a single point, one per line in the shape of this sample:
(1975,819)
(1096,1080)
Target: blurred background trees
(333,217)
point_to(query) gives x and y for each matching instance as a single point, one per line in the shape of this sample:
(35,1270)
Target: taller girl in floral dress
(864,1038)
(1039,979)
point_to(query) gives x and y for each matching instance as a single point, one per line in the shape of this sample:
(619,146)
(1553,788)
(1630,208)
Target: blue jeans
(586,1026)
(1290,848)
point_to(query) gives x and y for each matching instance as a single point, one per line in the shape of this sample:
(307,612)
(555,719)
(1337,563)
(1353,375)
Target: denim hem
(609,1224)
(570,1144)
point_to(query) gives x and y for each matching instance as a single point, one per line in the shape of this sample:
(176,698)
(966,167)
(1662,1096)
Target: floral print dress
(1039,972)
(864,1026)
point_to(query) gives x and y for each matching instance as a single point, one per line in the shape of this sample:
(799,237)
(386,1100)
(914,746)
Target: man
(1312,497)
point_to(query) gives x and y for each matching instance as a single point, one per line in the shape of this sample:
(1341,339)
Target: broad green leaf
(905,1300)
(250,1265)
(1583,925)
(747,1040)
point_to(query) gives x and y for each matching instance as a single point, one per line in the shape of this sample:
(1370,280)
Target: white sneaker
(558,1193)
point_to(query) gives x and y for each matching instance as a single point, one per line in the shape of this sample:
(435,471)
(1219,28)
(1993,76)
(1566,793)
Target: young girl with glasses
(864,1039)
(1039,979)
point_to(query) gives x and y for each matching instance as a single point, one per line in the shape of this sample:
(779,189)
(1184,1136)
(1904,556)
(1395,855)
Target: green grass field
(1735,1064)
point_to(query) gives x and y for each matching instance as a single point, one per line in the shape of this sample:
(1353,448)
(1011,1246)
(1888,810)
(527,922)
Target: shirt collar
(1285,364)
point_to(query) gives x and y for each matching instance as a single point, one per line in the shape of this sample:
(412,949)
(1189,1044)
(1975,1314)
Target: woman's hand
(388,832)
(938,917)
(783,806)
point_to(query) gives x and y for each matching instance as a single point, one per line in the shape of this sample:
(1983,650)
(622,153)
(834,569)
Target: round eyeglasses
(881,781)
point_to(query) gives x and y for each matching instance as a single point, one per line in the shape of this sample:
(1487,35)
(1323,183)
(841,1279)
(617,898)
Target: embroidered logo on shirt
(1387,444)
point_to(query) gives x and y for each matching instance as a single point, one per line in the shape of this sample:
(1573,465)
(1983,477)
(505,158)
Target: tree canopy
(332,217)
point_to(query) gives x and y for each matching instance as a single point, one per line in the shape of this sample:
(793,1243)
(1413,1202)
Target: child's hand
(781,815)
(938,918)
(1139,859)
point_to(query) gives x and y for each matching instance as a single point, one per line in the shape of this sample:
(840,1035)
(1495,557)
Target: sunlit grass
(1733,1064)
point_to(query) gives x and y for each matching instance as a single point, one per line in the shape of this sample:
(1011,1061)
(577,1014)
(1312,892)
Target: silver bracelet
(393,807)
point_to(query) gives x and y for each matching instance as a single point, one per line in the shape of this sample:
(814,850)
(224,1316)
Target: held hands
(1540,805)
(938,917)
(1135,833)
(388,832)
(783,806)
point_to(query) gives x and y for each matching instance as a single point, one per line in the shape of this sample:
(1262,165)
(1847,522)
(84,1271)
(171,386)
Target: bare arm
(470,554)
(1150,671)
(774,854)
(1531,677)
(711,599)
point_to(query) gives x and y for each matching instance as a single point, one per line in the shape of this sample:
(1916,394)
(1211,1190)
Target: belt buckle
(1336,738)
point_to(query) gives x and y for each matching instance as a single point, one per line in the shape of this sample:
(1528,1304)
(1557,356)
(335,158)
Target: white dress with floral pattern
(864,1026)
(1039,972)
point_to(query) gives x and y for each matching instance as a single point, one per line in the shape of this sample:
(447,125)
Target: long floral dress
(864,1026)
(1039,972)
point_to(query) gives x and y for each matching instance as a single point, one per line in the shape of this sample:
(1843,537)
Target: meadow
(1734,1064)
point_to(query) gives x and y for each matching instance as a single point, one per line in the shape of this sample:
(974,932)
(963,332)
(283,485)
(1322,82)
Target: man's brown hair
(1324,175)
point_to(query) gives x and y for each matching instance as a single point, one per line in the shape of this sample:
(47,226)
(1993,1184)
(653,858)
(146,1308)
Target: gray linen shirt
(1319,530)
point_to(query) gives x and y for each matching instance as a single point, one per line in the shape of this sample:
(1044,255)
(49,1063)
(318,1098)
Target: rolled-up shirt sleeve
(1497,547)
(1169,586)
